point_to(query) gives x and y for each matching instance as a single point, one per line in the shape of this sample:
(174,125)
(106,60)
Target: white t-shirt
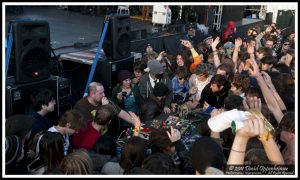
(66,137)
(200,86)
(152,81)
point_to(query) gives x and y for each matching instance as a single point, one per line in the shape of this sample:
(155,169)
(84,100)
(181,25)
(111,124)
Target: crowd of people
(224,76)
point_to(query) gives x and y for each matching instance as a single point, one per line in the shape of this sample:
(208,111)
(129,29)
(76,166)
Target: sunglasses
(182,78)
(286,44)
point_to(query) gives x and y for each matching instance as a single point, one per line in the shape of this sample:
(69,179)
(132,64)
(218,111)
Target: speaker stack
(30,68)
(116,46)
(17,95)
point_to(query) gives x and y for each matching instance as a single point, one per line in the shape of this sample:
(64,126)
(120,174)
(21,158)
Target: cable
(118,139)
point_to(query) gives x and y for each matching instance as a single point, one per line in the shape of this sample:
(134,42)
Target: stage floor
(68,27)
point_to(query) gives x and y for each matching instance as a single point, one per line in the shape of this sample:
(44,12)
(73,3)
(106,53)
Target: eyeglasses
(286,44)
(182,78)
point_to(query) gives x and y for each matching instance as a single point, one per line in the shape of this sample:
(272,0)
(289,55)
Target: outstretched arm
(215,52)
(267,93)
(238,43)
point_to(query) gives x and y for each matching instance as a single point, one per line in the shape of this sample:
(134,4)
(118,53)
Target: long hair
(133,154)
(52,149)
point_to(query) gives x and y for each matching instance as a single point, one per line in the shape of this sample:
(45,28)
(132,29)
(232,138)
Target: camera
(124,94)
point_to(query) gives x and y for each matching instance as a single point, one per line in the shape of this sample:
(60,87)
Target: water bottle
(223,121)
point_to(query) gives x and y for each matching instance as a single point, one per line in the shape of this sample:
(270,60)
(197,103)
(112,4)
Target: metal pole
(96,57)
(8,51)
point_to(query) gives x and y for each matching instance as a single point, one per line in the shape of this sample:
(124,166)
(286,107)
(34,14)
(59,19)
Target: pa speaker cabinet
(117,39)
(17,95)
(30,60)
(107,72)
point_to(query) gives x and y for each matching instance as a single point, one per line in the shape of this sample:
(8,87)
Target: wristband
(266,137)
(137,129)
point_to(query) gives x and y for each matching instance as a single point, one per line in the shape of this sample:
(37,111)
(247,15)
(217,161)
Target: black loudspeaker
(17,95)
(285,19)
(31,53)
(106,72)
(228,11)
(269,18)
(117,39)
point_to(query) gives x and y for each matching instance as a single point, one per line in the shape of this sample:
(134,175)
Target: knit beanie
(149,45)
(191,26)
(123,74)
(155,67)
(13,149)
(207,37)
(160,90)
(18,125)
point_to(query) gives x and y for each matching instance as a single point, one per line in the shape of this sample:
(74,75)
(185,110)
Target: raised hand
(160,56)
(238,42)
(215,43)
(255,71)
(252,127)
(104,101)
(252,103)
(187,44)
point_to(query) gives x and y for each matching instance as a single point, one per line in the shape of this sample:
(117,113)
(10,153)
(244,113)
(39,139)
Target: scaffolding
(217,17)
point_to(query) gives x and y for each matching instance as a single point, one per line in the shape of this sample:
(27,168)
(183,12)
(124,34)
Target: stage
(68,27)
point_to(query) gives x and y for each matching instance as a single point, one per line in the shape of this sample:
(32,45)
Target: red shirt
(86,138)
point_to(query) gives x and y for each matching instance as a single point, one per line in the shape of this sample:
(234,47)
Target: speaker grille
(123,46)
(117,39)
(36,63)
(31,51)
